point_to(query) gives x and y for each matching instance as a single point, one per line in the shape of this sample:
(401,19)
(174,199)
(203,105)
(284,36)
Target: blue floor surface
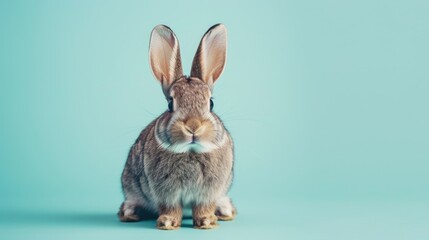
(289,220)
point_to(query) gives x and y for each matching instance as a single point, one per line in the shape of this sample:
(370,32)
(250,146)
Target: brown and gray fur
(184,158)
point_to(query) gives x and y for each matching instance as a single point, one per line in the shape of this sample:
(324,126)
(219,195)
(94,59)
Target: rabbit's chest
(190,176)
(185,179)
(190,173)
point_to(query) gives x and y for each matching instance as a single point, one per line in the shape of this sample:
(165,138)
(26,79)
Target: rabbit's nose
(192,125)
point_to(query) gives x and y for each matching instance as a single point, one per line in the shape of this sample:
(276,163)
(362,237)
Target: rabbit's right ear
(164,57)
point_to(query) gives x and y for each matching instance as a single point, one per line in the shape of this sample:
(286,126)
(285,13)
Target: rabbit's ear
(210,58)
(164,56)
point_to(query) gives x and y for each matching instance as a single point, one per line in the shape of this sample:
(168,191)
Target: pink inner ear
(210,58)
(165,56)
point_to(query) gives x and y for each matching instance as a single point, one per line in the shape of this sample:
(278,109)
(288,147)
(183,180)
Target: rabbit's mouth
(194,140)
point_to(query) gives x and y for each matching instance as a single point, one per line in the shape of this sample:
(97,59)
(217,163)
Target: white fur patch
(167,223)
(128,212)
(200,147)
(224,206)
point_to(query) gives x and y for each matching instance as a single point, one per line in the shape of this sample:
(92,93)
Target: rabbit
(184,158)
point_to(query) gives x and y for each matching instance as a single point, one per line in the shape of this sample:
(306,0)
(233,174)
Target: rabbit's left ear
(209,61)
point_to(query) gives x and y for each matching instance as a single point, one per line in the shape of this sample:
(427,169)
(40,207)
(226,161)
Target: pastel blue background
(327,102)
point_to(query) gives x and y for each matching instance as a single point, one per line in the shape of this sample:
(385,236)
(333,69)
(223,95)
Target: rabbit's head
(189,124)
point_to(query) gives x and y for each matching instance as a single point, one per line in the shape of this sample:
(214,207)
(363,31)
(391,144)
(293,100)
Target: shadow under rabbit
(73,219)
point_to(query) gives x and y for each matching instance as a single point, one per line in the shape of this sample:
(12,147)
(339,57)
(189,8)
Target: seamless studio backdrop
(327,102)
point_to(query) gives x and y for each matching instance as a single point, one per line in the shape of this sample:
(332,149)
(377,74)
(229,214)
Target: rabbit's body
(184,158)
(151,178)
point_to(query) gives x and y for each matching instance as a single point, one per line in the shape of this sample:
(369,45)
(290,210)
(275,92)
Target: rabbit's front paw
(168,222)
(205,222)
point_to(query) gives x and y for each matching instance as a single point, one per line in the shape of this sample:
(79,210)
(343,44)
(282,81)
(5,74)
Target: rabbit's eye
(211,105)
(170,104)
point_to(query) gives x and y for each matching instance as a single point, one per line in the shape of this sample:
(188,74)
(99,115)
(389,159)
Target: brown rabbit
(184,158)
